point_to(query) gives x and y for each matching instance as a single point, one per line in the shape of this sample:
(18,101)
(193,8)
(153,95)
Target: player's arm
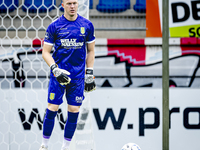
(60,74)
(89,77)
(46,54)
(90,55)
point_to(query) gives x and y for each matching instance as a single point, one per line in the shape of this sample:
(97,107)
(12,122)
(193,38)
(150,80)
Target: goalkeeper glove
(60,74)
(89,81)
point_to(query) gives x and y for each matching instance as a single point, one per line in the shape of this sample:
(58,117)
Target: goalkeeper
(72,37)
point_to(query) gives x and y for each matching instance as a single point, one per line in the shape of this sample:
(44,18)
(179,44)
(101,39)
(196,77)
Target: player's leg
(74,97)
(55,94)
(48,123)
(70,126)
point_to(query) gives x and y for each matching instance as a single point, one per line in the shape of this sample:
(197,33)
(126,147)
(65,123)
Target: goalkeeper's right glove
(60,74)
(89,81)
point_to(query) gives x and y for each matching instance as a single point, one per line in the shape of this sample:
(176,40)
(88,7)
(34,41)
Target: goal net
(24,79)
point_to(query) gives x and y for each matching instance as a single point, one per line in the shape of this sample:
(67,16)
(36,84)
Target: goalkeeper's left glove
(89,81)
(60,74)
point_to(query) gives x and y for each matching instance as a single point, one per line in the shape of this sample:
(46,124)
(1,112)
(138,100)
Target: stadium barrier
(134,114)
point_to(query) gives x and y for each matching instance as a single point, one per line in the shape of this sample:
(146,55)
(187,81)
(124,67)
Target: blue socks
(70,125)
(48,123)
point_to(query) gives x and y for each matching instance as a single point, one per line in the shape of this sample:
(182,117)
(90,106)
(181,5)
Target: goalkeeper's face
(70,7)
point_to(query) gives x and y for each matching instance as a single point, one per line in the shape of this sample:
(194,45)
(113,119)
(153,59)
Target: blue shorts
(74,92)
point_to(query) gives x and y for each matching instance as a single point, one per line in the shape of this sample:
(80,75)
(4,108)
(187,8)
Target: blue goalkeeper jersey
(69,39)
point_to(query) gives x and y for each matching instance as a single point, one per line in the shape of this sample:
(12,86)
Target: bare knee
(73,109)
(53,107)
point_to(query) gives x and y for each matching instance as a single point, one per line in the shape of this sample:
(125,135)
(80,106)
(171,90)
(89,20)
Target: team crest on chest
(82,30)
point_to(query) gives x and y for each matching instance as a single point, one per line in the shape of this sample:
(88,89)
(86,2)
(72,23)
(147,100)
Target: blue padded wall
(91,4)
(38,5)
(111,6)
(140,6)
(8,3)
